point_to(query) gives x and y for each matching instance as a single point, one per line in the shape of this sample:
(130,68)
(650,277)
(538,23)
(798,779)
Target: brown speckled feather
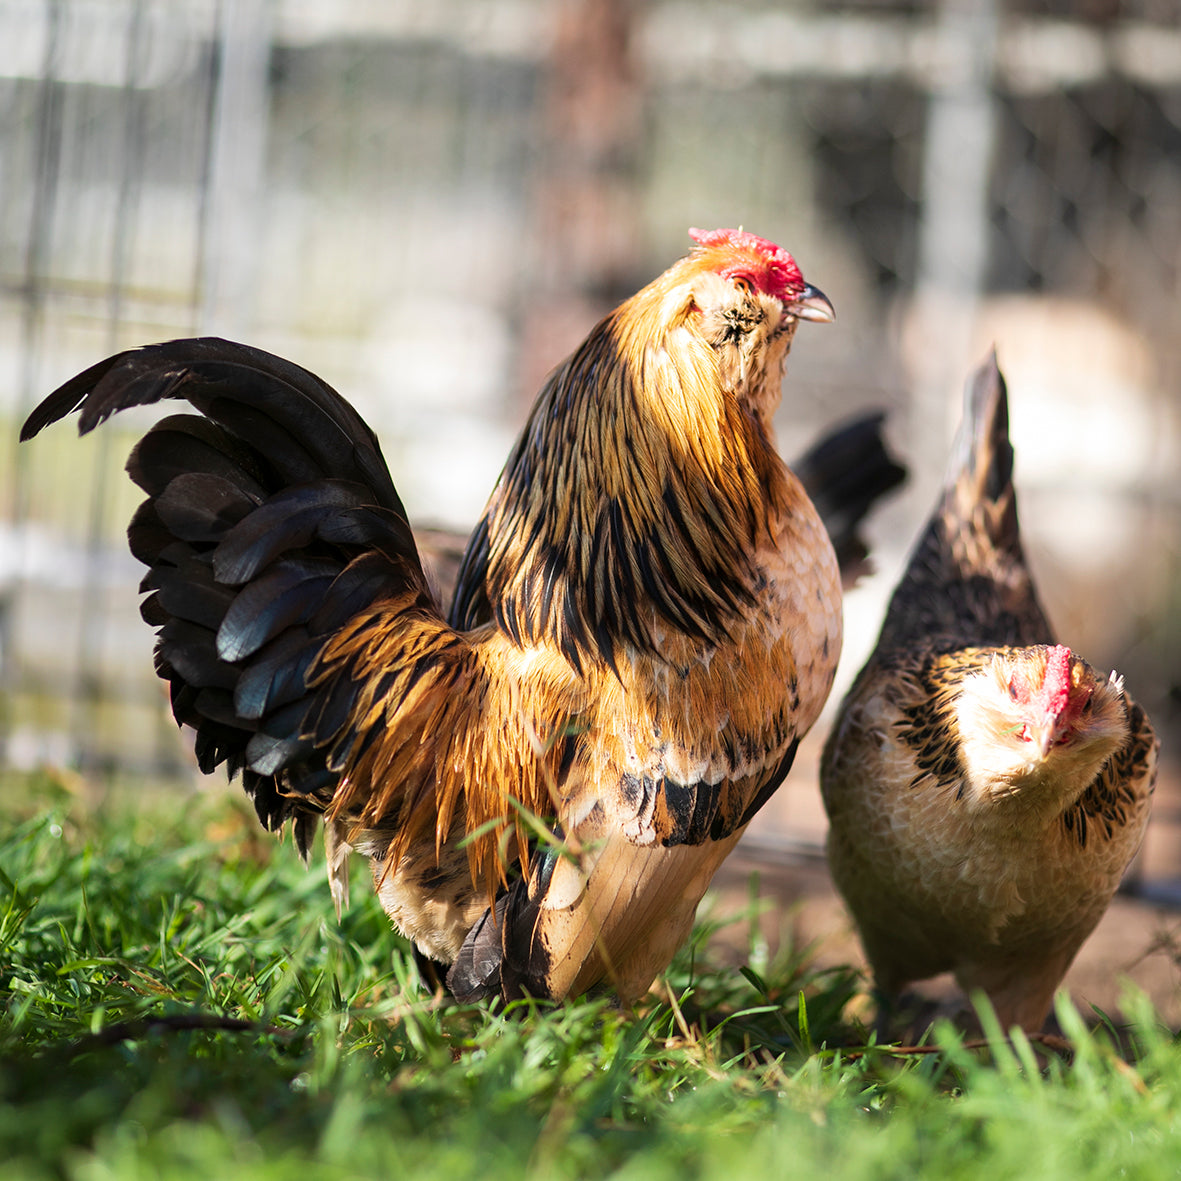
(985,787)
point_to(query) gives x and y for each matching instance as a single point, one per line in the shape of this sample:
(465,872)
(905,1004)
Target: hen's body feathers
(985,787)
(647,619)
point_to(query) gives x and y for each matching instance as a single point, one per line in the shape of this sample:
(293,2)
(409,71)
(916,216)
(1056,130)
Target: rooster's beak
(813,304)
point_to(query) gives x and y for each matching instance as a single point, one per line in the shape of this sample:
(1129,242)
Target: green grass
(180,1001)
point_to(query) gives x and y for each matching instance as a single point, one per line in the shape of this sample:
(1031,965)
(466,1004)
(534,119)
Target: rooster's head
(731,306)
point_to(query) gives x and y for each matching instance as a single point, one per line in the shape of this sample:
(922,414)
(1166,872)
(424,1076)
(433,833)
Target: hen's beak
(1042,738)
(1048,735)
(813,304)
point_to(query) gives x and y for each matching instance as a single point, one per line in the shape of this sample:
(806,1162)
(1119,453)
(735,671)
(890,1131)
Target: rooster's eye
(1012,691)
(743,285)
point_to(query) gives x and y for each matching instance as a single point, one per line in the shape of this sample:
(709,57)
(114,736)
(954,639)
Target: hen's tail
(270,520)
(979,487)
(967,580)
(845,474)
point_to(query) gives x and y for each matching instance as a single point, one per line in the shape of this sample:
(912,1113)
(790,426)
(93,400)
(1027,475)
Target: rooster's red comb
(769,267)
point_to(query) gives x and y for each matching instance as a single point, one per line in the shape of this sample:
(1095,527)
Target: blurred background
(429,204)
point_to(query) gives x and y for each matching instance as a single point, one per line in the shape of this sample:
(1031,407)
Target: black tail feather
(182,444)
(289,521)
(199,506)
(277,675)
(845,474)
(285,593)
(499,956)
(220,378)
(187,591)
(271,519)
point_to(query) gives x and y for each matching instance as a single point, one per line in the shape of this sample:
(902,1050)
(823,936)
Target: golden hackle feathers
(640,478)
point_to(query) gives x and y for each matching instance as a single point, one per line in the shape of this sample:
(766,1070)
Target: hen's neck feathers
(646,475)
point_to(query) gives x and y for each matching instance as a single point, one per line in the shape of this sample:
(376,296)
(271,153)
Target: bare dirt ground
(1137,941)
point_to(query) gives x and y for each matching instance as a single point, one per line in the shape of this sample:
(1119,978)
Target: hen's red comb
(1055,690)
(769,267)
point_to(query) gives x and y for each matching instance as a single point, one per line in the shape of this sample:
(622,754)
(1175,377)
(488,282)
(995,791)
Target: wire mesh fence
(429,205)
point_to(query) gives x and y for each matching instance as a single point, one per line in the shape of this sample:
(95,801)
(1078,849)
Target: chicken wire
(429,205)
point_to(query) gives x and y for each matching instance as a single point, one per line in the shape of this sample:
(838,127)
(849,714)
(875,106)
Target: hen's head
(1039,718)
(739,297)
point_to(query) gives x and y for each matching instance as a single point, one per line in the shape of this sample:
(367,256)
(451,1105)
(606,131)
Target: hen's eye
(743,285)
(1012,691)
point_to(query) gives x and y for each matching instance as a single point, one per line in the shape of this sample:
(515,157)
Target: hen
(985,786)
(647,620)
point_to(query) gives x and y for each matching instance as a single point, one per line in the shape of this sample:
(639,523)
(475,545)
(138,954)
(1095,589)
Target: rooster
(985,786)
(647,620)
